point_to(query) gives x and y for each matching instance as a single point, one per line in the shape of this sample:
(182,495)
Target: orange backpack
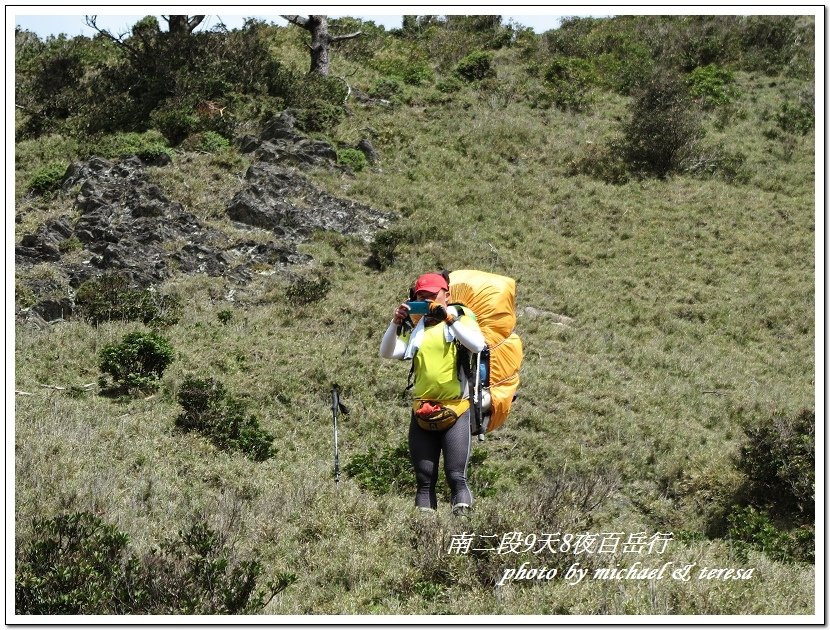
(493,374)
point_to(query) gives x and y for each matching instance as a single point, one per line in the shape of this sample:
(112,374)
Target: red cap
(432,282)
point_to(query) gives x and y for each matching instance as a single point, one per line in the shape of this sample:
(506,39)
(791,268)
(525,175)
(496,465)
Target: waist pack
(437,416)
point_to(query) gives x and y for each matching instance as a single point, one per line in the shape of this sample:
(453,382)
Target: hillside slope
(667,322)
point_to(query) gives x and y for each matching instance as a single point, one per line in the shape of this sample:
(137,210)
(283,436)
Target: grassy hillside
(692,302)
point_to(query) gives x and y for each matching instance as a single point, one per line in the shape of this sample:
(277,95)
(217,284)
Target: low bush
(382,472)
(137,362)
(111,298)
(408,66)
(353,158)
(212,142)
(778,459)
(712,85)
(74,565)
(769,43)
(387,88)
(750,528)
(604,161)
(382,248)
(796,117)
(176,123)
(483,477)
(48,179)
(319,116)
(223,419)
(150,146)
(77,564)
(569,81)
(449,85)
(663,125)
(717,161)
(476,66)
(308,289)
(319,102)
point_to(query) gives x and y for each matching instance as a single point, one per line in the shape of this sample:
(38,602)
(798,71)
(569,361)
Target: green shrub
(319,102)
(176,123)
(409,66)
(476,66)
(319,116)
(308,289)
(48,179)
(212,142)
(353,158)
(418,73)
(382,248)
(752,529)
(449,85)
(712,85)
(71,244)
(225,316)
(138,361)
(699,40)
(73,566)
(483,478)
(382,472)
(769,42)
(778,458)
(223,419)
(569,81)
(111,298)
(624,68)
(77,564)
(796,117)
(662,127)
(386,88)
(149,146)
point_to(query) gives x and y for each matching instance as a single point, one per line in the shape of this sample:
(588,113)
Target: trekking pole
(336,406)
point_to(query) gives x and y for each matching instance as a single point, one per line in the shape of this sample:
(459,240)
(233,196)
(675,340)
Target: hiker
(440,418)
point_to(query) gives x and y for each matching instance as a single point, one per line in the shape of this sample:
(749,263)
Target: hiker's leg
(457,444)
(424,450)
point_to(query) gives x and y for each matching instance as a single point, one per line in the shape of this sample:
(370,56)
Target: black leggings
(425,450)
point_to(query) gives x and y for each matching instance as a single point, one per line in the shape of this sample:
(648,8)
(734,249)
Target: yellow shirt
(436,369)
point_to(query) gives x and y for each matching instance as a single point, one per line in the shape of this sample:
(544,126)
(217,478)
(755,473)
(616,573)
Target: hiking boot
(423,511)
(462,510)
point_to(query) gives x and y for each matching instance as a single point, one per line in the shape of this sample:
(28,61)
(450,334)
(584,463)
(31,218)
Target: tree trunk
(183,24)
(321,40)
(318,26)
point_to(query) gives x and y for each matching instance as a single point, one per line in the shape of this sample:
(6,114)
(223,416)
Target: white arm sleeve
(469,336)
(390,346)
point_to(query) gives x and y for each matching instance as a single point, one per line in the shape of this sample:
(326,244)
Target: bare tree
(120,40)
(321,39)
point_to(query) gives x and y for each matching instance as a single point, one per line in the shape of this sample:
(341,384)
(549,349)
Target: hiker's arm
(469,334)
(391,347)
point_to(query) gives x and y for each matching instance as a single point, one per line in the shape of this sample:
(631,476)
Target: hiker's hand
(400,314)
(437,311)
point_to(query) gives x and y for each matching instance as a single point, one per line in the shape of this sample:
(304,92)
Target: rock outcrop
(128,225)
